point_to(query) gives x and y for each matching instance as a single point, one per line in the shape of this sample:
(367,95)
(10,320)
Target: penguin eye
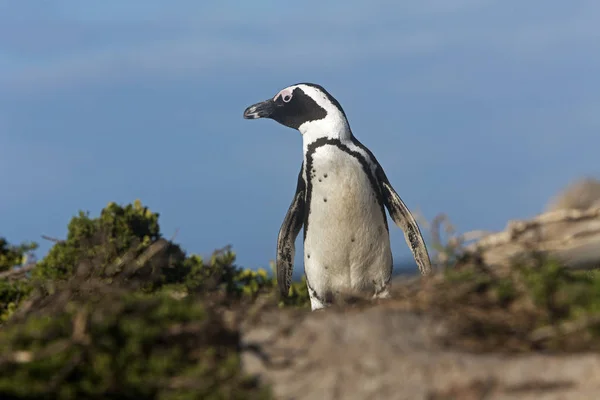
(286,98)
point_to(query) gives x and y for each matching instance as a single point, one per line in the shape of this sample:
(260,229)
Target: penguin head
(304,106)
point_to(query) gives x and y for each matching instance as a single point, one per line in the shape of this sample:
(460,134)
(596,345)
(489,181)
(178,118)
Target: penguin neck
(328,128)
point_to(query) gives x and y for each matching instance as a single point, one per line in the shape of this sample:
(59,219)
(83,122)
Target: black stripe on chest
(363,163)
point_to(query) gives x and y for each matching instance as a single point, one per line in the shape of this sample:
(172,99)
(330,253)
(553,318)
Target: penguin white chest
(347,242)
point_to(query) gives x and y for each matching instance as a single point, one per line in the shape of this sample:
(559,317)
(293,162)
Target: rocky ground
(468,333)
(385,352)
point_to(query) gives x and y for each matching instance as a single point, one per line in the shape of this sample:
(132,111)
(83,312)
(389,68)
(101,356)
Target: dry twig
(17,272)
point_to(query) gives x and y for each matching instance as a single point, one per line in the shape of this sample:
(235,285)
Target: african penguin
(341,197)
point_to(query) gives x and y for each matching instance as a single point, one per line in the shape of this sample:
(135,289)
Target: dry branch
(17,272)
(52,239)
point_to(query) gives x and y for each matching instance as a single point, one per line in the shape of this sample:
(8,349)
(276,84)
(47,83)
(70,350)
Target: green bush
(118,345)
(105,247)
(221,272)
(116,311)
(101,244)
(12,256)
(12,292)
(532,304)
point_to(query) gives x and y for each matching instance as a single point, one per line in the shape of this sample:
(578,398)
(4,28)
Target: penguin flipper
(292,223)
(404,220)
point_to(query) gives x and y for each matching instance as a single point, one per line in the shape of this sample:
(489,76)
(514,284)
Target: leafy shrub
(101,244)
(222,273)
(12,256)
(12,292)
(118,345)
(533,304)
(117,311)
(105,246)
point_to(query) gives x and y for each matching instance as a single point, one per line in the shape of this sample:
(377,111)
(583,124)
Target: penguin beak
(264,109)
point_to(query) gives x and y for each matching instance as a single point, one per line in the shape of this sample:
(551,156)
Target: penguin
(341,197)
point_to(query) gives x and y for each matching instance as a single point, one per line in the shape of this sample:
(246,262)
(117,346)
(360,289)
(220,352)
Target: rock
(380,352)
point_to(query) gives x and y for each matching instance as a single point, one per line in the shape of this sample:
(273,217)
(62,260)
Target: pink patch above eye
(286,94)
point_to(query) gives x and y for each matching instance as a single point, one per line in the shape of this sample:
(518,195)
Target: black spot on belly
(326,267)
(325,176)
(325,200)
(352,239)
(308,255)
(319,179)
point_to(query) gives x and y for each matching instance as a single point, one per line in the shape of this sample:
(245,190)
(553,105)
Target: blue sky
(481,109)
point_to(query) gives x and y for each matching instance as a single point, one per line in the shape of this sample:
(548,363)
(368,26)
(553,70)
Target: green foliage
(220,273)
(103,320)
(102,245)
(124,346)
(536,303)
(11,293)
(12,256)
(297,295)
(563,293)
